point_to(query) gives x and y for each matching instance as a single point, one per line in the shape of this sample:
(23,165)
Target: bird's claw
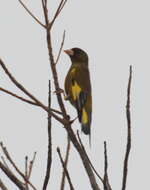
(59,91)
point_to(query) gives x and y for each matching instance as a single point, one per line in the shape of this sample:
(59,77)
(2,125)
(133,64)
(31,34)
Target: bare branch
(58,11)
(66,163)
(49,153)
(21,87)
(66,118)
(5,164)
(65,169)
(12,177)
(19,97)
(106,179)
(26,172)
(31,14)
(3,187)
(128,146)
(60,50)
(14,165)
(84,158)
(25,100)
(101,179)
(31,165)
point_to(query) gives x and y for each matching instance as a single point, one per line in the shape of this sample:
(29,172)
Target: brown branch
(12,177)
(26,172)
(101,179)
(60,50)
(53,68)
(14,165)
(18,97)
(58,11)
(4,162)
(31,165)
(65,169)
(49,153)
(31,14)
(66,163)
(106,179)
(84,158)
(26,100)
(128,146)
(22,88)
(3,186)
(67,125)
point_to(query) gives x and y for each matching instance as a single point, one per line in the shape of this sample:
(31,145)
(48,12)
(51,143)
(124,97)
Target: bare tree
(63,118)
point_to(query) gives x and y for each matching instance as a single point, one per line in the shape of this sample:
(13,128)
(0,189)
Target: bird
(78,87)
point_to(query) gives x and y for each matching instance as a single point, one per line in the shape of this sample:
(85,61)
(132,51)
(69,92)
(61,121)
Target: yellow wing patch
(73,71)
(84,116)
(75,90)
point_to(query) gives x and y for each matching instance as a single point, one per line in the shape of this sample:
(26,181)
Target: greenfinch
(78,87)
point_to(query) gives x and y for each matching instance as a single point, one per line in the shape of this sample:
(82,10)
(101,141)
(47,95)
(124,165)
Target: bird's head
(77,55)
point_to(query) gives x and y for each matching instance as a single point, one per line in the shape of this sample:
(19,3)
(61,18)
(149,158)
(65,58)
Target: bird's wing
(81,88)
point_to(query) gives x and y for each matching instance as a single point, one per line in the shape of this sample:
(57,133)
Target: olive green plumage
(78,87)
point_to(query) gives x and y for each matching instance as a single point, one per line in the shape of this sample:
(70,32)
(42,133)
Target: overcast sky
(115,34)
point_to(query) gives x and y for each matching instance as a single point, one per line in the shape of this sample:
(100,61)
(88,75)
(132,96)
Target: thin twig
(65,169)
(26,100)
(128,146)
(60,50)
(3,159)
(22,88)
(31,165)
(14,165)
(31,14)
(49,152)
(3,186)
(26,172)
(12,177)
(101,179)
(58,11)
(66,163)
(18,97)
(106,179)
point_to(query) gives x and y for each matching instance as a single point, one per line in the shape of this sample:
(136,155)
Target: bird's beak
(69,52)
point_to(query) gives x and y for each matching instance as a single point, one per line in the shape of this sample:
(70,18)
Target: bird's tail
(86,123)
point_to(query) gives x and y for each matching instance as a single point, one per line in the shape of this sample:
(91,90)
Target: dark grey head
(77,55)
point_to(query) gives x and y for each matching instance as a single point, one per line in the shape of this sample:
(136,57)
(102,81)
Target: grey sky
(115,34)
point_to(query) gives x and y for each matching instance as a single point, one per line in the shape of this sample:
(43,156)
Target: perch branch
(67,125)
(128,146)
(53,67)
(65,169)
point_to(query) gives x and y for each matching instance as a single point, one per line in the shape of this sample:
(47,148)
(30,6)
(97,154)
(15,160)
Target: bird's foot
(59,91)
